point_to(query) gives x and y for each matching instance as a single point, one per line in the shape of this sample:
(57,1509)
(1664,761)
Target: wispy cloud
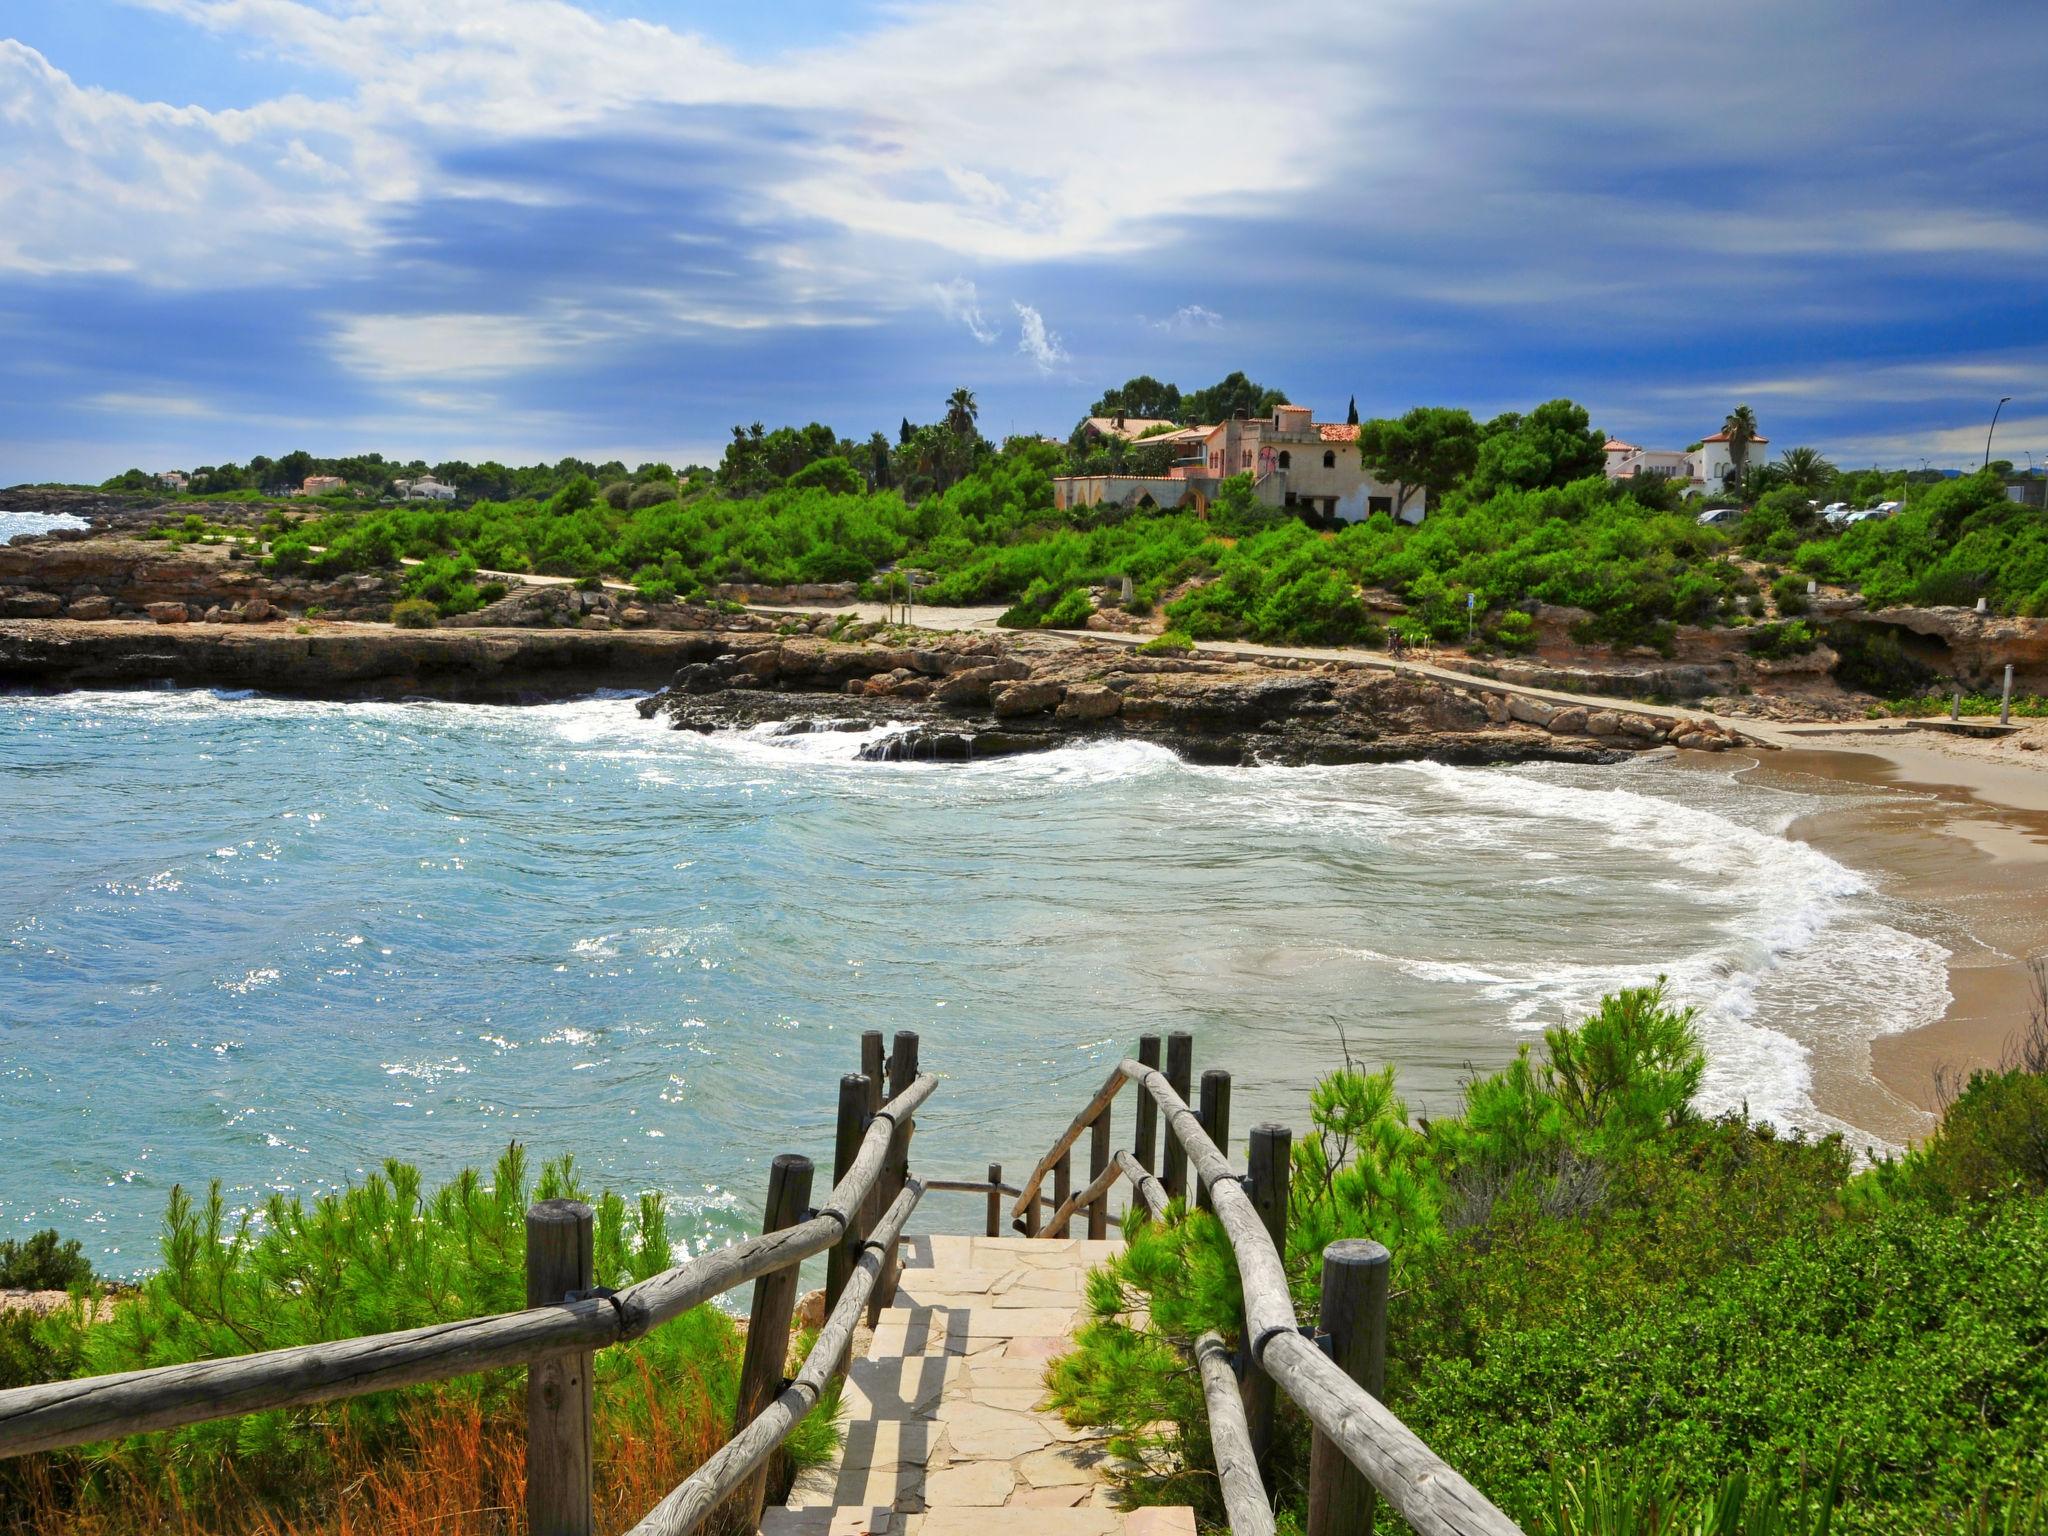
(959,302)
(1190,317)
(1036,342)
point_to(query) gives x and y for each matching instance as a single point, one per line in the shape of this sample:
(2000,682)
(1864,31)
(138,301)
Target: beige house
(320,485)
(1293,459)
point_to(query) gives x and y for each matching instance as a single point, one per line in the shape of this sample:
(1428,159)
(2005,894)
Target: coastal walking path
(944,1427)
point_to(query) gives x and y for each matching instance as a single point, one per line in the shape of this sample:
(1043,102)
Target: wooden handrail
(1111,1086)
(1056,1223)
(1424,1488)
(693,1500)
(56,1414)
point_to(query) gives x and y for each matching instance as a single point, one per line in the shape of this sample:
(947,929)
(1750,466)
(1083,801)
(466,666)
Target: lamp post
(2003,400)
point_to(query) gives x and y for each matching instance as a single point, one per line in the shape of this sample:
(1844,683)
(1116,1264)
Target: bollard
(995,1200)
(559,1238)
(1354,1315)
(2005,698)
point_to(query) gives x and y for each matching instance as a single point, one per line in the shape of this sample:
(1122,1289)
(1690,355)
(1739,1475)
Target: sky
(519,229)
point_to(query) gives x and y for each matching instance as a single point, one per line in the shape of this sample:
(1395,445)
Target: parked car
(1720,517)
(1836,512)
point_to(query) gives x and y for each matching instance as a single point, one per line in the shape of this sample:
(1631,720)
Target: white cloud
(1189,317)
(959,301)
(1036,342)
(410,349)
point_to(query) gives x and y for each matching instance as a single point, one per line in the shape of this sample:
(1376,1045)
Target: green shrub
(1777,642)
(1071,612)
(415,613)
(1174,642)
(1789,593)
(1513,631)
(491,592)
(41,1263)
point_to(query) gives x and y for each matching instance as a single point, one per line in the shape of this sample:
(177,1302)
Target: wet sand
(1958,828)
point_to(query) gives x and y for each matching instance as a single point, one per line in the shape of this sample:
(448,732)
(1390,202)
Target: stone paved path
(944,1433)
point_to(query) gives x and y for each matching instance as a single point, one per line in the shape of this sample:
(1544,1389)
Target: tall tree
(1430,449)
(1553,445)
(961,411)
(903,433)
(1741,429)
(1229,395)
(1143,397)
(1351,416)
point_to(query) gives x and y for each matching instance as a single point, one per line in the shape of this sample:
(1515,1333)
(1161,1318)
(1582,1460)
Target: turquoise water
(275,942)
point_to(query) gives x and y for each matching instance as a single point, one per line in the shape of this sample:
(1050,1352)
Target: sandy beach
(1954,826)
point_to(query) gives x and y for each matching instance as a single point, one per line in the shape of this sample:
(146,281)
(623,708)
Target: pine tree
(1351,419)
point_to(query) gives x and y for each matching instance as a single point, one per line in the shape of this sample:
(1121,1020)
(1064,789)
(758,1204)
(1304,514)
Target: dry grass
(457,1472)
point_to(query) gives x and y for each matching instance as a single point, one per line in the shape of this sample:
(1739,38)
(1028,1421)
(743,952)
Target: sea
(274,943)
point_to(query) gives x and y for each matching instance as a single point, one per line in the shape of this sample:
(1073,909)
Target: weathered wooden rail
(568,1320)
(1359,1450)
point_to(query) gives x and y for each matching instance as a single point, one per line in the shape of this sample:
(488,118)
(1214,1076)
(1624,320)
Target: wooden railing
(568,1319)
(1359,1448)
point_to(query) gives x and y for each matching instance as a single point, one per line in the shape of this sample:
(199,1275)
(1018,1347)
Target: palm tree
(961,411)
(1805,468)
(1741,429)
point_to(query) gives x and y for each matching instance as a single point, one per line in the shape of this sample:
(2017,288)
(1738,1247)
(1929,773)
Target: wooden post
(1215,1118)
(1354,1315)
(1180,1067)
(767,1353)
(995,1199)
(896,1171)
(1062,1184)
(1268,1165)
(853,1125)
(558,1489)
(1146,1149)
(1098,1164)
(871,1067)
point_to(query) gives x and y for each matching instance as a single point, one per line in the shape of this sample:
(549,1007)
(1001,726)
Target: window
(1247,460)
(1378,504)
(1329,458)
(1286,459)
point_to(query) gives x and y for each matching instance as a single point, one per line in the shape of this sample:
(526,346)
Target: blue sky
(517,229)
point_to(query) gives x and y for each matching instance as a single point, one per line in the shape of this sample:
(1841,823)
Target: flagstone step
(944,1425)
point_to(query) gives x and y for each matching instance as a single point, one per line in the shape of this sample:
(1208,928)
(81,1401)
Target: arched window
(1286,459)
(1329,458)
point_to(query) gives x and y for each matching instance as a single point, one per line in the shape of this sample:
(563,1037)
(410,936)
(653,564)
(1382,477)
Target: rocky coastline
(963,697)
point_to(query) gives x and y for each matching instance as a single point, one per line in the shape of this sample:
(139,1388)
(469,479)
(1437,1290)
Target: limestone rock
(1530,711)
(1603,722)
(1569,722)
(101,607)
(167,613)
(1089,701)
(1009,700)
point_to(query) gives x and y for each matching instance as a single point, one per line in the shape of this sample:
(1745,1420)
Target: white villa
(174,480)
(1707,468)
(1294,460)
(426,488)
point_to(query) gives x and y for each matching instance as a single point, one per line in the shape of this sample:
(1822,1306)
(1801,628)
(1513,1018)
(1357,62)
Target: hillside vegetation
(1520,515)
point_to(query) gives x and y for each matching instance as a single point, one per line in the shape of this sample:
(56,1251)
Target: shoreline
(1958,829)
(1955,827)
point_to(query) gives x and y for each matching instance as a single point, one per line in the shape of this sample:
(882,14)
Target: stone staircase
(944,1434)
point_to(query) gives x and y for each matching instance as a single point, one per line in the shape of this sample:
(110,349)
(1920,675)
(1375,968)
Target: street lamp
(2003,401)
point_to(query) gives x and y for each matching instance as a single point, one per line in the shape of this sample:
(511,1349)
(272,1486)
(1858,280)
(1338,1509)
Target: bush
(415,613)
(1175,642)
(1071,612)
(1777,642)
(1873,661)
(1789,593)
(1514,632)
(384,1255)
(42,1263)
